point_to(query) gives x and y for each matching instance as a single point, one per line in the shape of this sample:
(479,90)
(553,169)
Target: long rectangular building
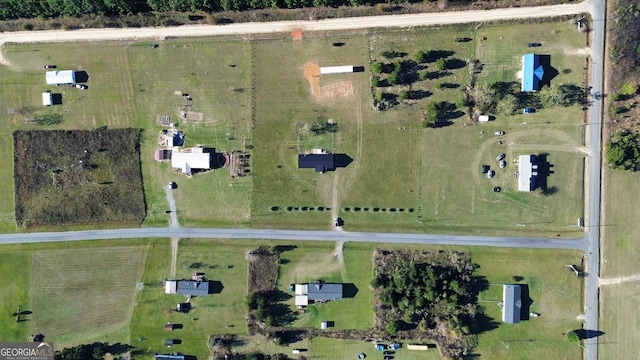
(60,77)
(527,172)
(511,303)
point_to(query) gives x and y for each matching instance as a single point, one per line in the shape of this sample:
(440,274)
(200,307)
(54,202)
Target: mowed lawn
(619,302)
(553,291)
(335,349)
(309,262)
(15,269)
(219,313)
(86,294)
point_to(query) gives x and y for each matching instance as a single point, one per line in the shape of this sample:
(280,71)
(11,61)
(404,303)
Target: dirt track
(286,26)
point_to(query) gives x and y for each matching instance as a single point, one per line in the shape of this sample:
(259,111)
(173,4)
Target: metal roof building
(319,292)
(186,161)
(511,304)
(532,72)
(63,77)
(320,162)
(175,356)
(527,172)
(47,99)
(186,287)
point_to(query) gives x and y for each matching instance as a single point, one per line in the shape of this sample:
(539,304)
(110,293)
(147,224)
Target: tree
(507,105)
(394,77)
(392,328)
(377,68)
(623,151)
(420,57)
(629,89)
(403,95)
(573,336)
(483,97)
(441,64)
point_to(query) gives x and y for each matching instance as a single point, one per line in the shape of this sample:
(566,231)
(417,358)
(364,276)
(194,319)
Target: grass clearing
(73,292)
(15,269)
(619,320)
(334,349)
(213,314)
(314,261)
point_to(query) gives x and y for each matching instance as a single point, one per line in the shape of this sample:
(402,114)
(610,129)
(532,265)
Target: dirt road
(286,26)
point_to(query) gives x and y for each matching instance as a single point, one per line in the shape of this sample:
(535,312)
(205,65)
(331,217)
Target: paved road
(293,235)
(598,13)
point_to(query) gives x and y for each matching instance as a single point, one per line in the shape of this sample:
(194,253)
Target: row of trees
(14,9)
(623,151)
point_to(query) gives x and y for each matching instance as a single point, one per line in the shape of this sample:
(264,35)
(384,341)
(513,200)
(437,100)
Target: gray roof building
(511,303)
(193,288)
(174,356)
(324,292)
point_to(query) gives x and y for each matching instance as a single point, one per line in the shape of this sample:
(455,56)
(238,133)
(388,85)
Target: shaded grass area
(216,313)
(68,177)
(84,294)
(311,262)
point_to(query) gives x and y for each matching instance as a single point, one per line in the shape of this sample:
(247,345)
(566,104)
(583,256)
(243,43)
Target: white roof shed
(190,160)
(47,99)
(527,172)
(62,77)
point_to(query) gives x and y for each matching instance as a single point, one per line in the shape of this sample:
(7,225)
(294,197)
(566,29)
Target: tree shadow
(434,75)
(119,348)
(349,290)
(394,54)
(418,94)
(503,88)
(589,334)
(284,248)
(447,85)
(484,323)
(454,64)
(434,55)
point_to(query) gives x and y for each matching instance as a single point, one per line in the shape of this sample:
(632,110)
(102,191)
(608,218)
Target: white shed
(47,99)
(170,287)
(483,118)
(190,160)
(336,69)
(62,77)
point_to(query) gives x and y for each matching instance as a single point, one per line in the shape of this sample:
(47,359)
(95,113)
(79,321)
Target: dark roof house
(511,303)
(193,288)
(324,292)
(532,72)
(320,162)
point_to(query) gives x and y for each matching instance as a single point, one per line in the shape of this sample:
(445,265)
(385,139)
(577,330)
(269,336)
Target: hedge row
(301,208)
(377,209)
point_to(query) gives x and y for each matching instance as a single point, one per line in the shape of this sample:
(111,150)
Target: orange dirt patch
(297,35)
(311,71)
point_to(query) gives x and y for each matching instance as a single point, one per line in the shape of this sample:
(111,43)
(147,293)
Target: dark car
(388,358)
(338,222)
(485,169)
(496,189)
(389,352)
(534,44)
(50,66)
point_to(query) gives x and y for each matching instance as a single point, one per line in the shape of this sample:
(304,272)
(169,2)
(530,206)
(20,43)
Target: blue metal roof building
(532,72)
(511,303)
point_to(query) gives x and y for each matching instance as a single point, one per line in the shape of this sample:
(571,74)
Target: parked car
(503,164)
(496,189)
(485,169)
(498,133)
(500,157)
(491,174)
(50,66)
(82,86)
(338,222)
(389,352)
(534,44)
(528,110)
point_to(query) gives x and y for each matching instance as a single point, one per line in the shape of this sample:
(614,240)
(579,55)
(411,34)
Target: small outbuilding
(47,98)
(170,342)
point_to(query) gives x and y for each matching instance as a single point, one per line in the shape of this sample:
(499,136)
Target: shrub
(441,64)
(289,208)
(403,95)
(356,209)
(628,89)
(274,208)
(392,328)
(375,81)
(346,209)
(377,68)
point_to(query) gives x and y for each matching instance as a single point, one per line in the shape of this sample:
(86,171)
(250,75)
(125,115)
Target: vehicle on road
(500,157)
(50,66)
(491,174)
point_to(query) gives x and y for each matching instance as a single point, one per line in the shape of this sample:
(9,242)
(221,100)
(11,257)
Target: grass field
(213,314)
(15,269)
(84,294)
(333,349)
(618,302)
(318,262)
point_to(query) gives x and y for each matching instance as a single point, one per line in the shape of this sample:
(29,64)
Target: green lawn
(333,349)
(15,269)
(311,262)
(223,312)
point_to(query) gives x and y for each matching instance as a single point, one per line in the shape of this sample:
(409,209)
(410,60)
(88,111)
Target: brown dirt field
(262,270)
(311,71)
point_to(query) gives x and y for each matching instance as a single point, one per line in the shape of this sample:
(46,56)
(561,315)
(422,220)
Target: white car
(500,157)
(503,164)
(498,133)
(491,174)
